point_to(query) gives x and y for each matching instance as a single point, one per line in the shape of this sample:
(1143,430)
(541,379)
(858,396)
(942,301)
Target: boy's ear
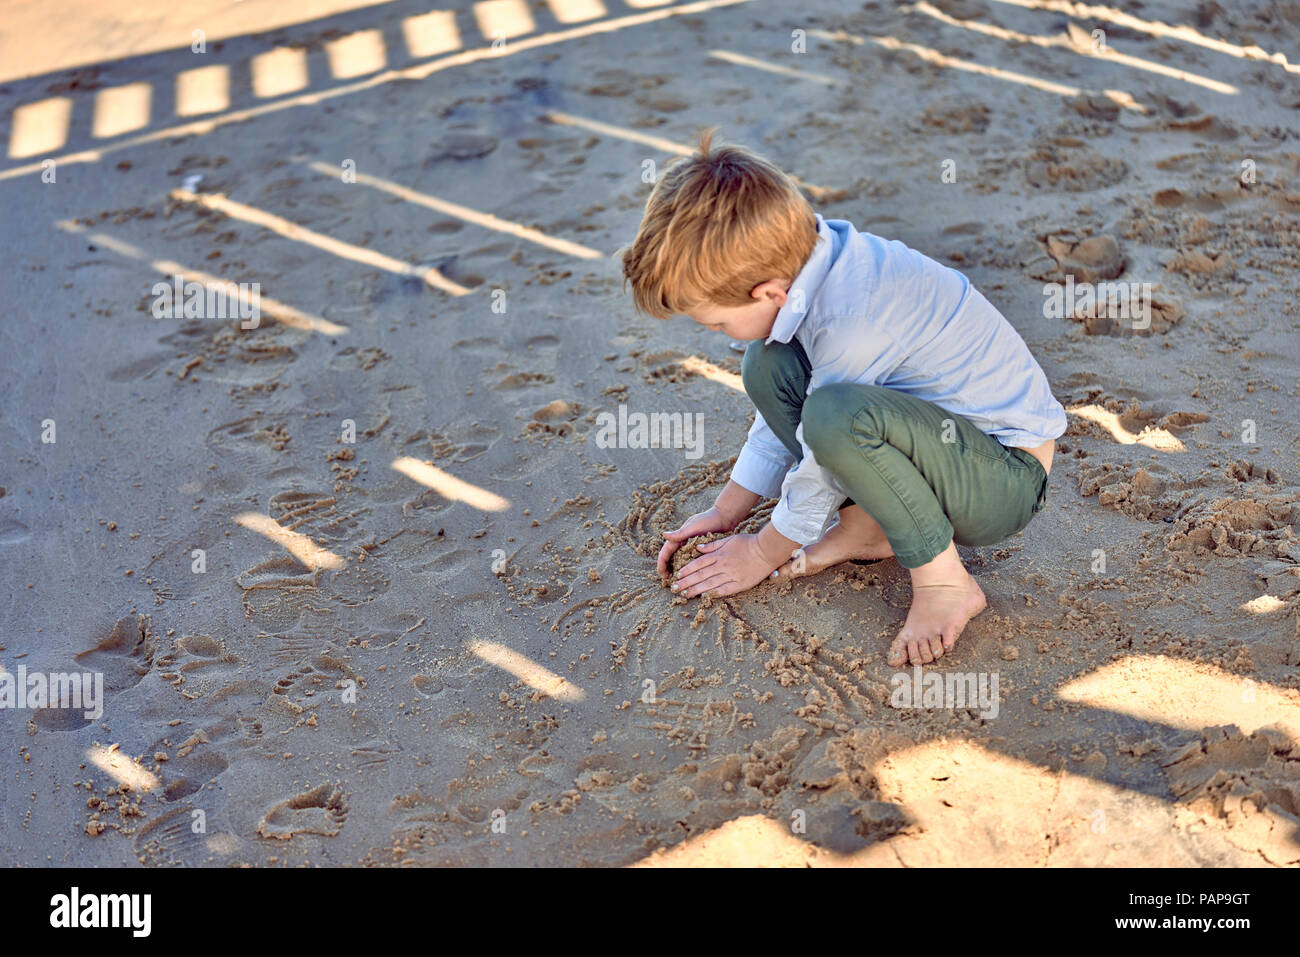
(773,290)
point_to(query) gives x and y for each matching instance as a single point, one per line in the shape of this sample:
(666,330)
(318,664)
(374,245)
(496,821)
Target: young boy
(907,405)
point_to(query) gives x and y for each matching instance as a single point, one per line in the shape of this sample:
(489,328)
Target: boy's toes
(897,653)
(793,568)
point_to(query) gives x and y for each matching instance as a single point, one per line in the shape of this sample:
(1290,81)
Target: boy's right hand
(701,524)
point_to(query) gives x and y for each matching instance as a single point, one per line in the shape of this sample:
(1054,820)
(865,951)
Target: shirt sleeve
(763,462)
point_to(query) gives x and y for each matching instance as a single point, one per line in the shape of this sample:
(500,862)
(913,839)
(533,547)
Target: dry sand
(526,691)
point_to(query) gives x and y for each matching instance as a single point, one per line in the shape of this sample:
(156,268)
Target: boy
(909,408)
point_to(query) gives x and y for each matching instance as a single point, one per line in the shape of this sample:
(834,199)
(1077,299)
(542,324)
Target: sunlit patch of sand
(1264,605)
(963,804)
(121,768)
(705,368)
(450,487)
(1161,440)
(297,544)
(758,841)
(527,671)
(1184,694)
(972,804)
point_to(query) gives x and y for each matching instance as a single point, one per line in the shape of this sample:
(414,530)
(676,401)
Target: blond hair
(716,225)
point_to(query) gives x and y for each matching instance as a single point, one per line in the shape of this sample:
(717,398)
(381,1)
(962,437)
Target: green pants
(927,476)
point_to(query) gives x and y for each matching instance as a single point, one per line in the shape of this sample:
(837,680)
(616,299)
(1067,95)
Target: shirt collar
(800,294)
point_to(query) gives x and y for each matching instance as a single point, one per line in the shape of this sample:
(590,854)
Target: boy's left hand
(727,566)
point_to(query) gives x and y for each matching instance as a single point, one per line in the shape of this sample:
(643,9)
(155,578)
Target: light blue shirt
(872,311)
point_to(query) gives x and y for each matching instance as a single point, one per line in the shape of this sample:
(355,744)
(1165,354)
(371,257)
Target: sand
(690,550)
(446,642)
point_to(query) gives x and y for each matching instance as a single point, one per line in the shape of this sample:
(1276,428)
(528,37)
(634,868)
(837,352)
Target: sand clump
(690,549)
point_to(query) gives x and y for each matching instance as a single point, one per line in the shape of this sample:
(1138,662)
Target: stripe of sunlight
(1083,11)
(205,89)
(1124,100)
(619,132)
(527,671)
(450,487)
(269,307)
(503,19)
(337,247)
(295,543)
(417,71)
(40,127)
(1161,440)
(1194,695)
(121,109)
(432,33)
(576,11)
(741,60)
(126,771)
(705,368)
(656,142)
(1065,42)
(279,71)
(357,54)
(486,220)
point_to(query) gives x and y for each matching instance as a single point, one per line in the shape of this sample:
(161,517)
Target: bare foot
(944,598)
(855,535)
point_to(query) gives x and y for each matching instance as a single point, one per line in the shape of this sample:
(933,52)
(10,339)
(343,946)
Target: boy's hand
(701,524)
(727,566)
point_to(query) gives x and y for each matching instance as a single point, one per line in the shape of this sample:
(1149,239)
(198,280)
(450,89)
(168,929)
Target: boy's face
(749,322)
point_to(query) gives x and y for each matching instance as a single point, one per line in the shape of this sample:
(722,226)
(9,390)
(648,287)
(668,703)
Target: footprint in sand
(1072,166)
(321,810)
(316,514)
(352,359)
(438,446)
(521,380)
(141,368)
(428,685)
(198,664)
(555,418)
(12,531)
(124,656)
(485,345)
(171,840)
(188,776)
(249,436)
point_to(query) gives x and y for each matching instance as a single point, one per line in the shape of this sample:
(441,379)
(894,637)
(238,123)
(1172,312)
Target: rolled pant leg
(926,475)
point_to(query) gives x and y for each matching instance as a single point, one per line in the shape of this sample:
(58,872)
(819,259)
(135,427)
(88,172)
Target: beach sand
(445,641)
